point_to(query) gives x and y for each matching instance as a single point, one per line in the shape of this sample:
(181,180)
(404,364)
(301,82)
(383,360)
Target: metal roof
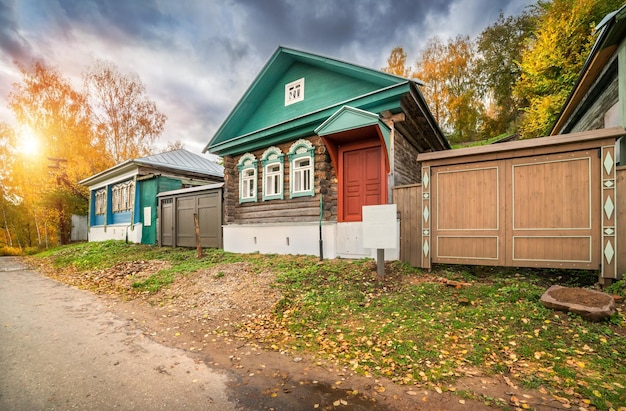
(181,161)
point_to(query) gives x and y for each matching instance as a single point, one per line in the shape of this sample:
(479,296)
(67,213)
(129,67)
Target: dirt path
(199,314)
(61,348)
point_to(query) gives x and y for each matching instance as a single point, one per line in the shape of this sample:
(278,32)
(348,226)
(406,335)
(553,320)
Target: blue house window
(272,161)
(301,157)
(101,201)
(123,197)
(247,167)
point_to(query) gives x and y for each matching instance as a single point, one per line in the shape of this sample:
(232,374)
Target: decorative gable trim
(384,93)
(350,118)
(246,160)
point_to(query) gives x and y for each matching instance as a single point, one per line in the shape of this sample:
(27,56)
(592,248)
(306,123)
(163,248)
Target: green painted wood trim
(350,118)
(388,99)
(301,149)
(282,59)
(273,155)
(346,118)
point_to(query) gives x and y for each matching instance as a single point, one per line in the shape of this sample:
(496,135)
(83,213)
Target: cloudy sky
(197,57)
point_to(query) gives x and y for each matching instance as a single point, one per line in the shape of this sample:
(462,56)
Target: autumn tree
(450,87)
(499,48)
(431,73)
(554,57)
(396,63)
(122,114)
(56,149)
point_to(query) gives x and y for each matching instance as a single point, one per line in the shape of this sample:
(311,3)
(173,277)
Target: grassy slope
(411,327)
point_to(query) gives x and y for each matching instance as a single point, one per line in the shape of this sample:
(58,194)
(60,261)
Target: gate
(547,202)
(177,209)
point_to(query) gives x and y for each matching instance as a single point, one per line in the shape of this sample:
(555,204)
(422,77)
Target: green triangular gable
(349,118)
(261,118)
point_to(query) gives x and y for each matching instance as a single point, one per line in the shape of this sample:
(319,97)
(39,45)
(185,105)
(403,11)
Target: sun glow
(28,143)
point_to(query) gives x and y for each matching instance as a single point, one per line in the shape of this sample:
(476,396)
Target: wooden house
(310,142)
(598,100)
(123,199)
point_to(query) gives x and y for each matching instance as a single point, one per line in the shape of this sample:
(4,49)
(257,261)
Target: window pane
(306,185)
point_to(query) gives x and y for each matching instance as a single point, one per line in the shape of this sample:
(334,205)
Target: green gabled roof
(260,118)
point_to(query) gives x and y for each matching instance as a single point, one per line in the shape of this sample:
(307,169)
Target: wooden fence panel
(548,202)
(408,200)
(468,213)
(551,203)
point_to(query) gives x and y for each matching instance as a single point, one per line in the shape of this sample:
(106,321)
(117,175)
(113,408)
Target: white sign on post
(380,229)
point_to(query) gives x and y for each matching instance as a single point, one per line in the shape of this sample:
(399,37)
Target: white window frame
(248,184)
(123,197)
(294,91)
(247,167)
(301,149)
(100,206)
(273,179)
(302,175)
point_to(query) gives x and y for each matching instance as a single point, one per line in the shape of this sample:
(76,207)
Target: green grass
(410,327)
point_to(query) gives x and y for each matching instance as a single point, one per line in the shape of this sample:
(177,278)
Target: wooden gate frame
(605,229)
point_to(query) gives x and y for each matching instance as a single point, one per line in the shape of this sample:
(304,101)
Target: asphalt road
(61,349)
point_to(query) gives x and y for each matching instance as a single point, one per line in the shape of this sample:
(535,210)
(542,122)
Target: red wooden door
(362,181)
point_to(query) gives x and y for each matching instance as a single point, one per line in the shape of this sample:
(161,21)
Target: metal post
(380,262)
(321,241)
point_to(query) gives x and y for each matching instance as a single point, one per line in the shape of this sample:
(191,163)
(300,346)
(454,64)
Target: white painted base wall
(339,240)
(115,232)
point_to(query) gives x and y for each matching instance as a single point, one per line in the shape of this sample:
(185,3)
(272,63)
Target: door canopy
(350,124)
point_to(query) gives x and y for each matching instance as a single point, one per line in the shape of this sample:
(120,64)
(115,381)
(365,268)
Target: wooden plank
(553,205)
(407,198)
(468,223)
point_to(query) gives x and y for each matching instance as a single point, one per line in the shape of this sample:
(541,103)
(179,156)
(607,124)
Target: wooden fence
(548,202)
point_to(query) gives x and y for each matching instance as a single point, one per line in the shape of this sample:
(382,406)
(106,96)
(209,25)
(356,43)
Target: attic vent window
(294,92)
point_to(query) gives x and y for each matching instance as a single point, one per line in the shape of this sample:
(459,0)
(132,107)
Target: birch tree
(123,116)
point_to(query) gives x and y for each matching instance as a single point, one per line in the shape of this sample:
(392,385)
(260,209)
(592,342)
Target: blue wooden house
(312,141)
(123,199)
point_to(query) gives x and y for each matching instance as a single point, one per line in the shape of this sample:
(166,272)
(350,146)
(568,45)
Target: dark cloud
(197,57)
(331,25)
(12,43)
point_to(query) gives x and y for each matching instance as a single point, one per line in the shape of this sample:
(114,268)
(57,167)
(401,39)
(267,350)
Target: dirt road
(63,348)
(60,348)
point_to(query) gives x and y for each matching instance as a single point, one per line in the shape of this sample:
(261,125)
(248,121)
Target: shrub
(12,251)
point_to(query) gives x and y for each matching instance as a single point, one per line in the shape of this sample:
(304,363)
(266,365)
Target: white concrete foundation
(115,232)
(339,240)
